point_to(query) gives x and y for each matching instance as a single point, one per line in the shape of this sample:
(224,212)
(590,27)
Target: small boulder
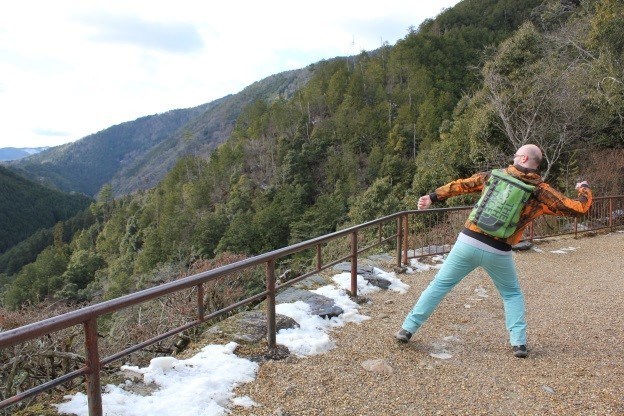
(249,327)
(319,304)
(522,246)
(378,366)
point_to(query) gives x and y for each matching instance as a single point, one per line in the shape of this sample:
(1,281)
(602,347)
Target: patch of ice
(343,280)
(451,338)
(564,250)
(204,383)
(244,401)
(441,355)
(481,292)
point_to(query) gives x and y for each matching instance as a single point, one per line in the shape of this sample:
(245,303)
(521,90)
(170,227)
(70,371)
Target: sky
(72,68)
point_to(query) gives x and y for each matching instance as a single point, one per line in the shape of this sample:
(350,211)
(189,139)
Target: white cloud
(79,67)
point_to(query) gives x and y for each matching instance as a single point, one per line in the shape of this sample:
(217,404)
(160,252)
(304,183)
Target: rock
(429,250)
(548,389)
(249,327)
(319,304)
(379,282)
(311,282)
(346,267)
(441,355)
(377,366)
(367,273)
(280,352)
(381,257)
(522,246)
(399,269)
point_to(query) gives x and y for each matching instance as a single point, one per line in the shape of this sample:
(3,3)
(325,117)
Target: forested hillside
(365,137)
(136,155)
(26,207)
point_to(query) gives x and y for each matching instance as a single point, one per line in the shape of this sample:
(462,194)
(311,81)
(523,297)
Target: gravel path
(575,314)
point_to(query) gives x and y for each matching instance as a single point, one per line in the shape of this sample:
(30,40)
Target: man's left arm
(560,205)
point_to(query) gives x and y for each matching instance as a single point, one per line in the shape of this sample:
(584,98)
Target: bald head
(529,156)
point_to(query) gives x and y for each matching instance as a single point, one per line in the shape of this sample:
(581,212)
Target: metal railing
(412,233)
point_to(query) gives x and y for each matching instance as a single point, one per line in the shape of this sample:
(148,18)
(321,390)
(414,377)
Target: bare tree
(539,100)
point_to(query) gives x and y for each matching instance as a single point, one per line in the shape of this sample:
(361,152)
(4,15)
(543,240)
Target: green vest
(498,210)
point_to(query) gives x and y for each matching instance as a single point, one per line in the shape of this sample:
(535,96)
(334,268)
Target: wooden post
(319,258)
(399,242)
(270,287)
(405,236)
(94,392)
(200,302)
(354,250)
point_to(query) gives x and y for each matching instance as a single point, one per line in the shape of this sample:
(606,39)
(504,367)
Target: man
(475,247)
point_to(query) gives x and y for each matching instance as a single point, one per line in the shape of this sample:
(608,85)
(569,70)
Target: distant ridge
(136,155)
(16,153)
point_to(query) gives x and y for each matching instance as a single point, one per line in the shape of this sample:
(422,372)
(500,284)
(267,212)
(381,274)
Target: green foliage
(241,236)
(321,218)
(80,272)
(26,207)
(377,201)
(607,27)
(36,281)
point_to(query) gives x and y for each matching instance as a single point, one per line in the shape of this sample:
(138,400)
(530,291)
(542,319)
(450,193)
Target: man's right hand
(424,202)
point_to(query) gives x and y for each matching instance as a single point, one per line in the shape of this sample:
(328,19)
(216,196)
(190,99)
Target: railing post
(270,287)
(200,302)
(319,258)
(354,250)
(94,392)
(399,250)
(405,237)
(611,213)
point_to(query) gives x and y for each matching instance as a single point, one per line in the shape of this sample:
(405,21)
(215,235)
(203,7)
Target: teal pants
(463,259)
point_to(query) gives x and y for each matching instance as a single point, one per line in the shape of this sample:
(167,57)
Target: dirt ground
(574,291)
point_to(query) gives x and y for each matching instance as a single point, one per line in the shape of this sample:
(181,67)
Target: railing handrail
(55,323)
(88,315)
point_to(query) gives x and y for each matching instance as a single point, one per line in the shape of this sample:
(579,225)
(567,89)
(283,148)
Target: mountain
(136,155)
(15,153)
(365,137)
(26,207)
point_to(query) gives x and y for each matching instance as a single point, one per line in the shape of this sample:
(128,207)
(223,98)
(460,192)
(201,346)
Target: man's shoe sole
(402,336)
(520,352)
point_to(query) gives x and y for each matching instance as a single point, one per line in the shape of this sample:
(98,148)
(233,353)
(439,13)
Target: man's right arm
(469,185)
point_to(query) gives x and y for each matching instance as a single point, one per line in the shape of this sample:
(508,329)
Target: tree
(533,89)
(377,201)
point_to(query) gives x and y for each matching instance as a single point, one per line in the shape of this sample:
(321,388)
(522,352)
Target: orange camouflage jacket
(545,199)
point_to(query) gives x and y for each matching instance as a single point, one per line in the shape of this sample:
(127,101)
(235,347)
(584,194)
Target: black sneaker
(520,351)
(403,336)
